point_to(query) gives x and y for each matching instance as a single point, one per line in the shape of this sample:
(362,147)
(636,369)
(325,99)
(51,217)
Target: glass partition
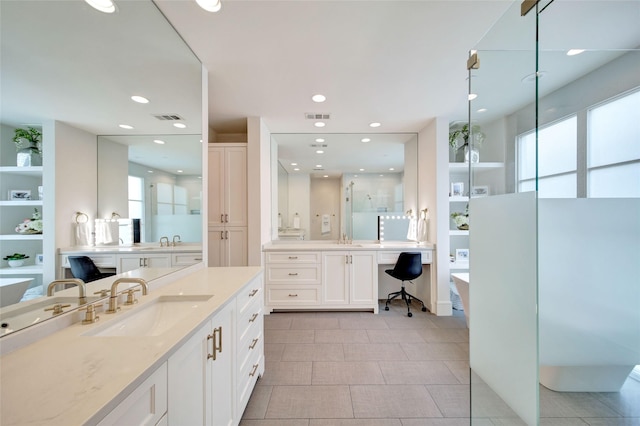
(555,231)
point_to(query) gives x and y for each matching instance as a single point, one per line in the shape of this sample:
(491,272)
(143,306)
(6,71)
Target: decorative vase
(28,157)
(14,263)
(472,155)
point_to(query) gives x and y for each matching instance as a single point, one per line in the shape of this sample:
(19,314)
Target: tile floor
(360,369)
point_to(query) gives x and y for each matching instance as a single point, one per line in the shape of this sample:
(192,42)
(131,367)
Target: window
(613,154)
(557,160)
(136,197)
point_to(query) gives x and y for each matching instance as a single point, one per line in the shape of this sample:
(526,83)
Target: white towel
(107,232)
(82,233)
(326,224)
(279,221)
(412,232)
(296,222)
(423,228)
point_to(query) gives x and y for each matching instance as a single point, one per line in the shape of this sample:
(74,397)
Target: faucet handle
(131,299)
(90,316)
(57,308)
(103,293)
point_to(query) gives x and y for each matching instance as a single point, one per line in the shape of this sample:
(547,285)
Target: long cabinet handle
(216,346)
(222,235)
(293,274)
(226,218)
(226,235)
(253,371)
(221,217)
(293,257)
(293,295)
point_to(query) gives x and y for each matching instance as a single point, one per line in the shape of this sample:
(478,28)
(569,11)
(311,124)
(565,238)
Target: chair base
(408,298)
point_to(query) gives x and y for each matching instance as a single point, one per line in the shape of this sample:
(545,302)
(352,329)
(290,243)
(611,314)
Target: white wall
(113,179)
(299,201)
(259,166)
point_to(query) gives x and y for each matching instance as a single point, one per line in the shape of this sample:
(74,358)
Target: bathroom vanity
(314,275)
(196,362)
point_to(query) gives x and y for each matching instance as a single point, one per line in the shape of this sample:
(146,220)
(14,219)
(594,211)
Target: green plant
(16,256)
(31,136)
(463,132)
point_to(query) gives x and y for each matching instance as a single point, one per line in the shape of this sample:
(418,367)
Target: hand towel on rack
(296,222)
(412,232)
(108,232)
(326,224)
(82,234)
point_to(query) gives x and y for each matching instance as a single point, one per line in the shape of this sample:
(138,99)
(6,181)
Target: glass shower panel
(502,229)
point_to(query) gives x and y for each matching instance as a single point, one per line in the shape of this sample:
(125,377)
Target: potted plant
(461,219)
(28,146)
(16,259)
(459,141)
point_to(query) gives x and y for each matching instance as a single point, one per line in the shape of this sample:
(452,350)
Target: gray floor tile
(416,372)
(487,404)
(417,322)
(572,404)
(346,373)
(363,323)
(392,401)
(286,373)
(355,422)
(278,422)
(313,352)
(342,336)
(629,421)
(308,402)
(445,335)
(626,402)
(315,323)
(460,369)
(273,351)
(450,322)
(434,351)
(461,421)
(452,400)
(277,322)
(394,336)
(569,421)
(257,406)
(373,352)
(289,336)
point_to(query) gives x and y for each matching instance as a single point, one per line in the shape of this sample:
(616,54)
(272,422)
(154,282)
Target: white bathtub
(461,281)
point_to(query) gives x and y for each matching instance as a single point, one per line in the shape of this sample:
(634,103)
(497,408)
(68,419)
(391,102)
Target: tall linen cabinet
(227,233)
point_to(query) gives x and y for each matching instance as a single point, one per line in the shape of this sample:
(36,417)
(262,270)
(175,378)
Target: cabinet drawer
(293,296)
(300,274)
(185,259)
(249,296)
(247,378)
(391,257)
(294,257)
(248,321)
(250,342)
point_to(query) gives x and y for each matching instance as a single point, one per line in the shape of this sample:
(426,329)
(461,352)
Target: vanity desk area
(318,275)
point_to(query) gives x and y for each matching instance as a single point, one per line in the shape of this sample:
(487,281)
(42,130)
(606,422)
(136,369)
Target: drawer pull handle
(253,344)
(253,293)
(216,347)
(293,295)
(293,257)
(253,317)
(253,371)
(293,274)
(197,258)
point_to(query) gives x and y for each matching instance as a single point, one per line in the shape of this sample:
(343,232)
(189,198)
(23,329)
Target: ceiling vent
(318,169)
(317,116)
(168,117)
(319,145)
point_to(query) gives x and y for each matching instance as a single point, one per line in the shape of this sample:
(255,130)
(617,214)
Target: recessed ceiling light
(140,99)
(481,110)
(179,125)
(365,140)
(296,169)
(158,141)
(319,166)
(104,6)
(319,98)
(210,5)
(294,164)
(325,176)
(125,126)
(381,175)
(574,52)
(391,169)
(472,96)
(362,170)
(179,171)
(319,140)
(319,151)
(374,124)
(355,175)
(319,124)
(149,171)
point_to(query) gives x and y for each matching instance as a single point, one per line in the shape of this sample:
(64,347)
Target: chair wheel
(409,314)
(386,308)
(424,309)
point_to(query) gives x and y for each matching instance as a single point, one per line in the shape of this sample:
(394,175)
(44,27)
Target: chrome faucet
(113,299)
(164,241)
(174,242)
(81,300)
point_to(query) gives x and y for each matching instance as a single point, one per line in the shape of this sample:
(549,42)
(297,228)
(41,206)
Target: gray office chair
(408,267)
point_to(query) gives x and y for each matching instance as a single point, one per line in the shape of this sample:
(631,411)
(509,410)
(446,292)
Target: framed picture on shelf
(19,194)
(39,259)
(462,255)
(457,189)
(479,191)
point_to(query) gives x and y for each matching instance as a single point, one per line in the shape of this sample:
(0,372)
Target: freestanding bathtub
(461,281)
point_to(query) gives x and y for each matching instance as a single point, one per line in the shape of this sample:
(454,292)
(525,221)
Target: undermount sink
(152,319)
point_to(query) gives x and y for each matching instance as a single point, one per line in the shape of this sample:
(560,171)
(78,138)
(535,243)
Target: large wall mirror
(70,71)
(330,185)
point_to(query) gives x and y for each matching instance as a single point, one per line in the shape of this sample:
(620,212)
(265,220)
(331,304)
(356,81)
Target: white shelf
(465,166)
(458,199)
(20,237)
(459,266)
(453,232)
(32,203)
(22,171)
(21,270)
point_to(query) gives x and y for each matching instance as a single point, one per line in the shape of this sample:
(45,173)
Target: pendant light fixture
(210,5)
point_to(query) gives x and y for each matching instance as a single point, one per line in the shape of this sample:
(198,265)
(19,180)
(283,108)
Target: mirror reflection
(333,186)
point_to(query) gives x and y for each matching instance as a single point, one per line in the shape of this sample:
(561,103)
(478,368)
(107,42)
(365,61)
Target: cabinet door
(236,186)
(216,181)
(158,261)
(216,246)
(236,246)
(188,370)
(335,277)
(363,278)
(129,263)
(220,379)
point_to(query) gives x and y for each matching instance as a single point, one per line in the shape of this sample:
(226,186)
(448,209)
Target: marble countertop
(69,378)
(146,248)
(333,245)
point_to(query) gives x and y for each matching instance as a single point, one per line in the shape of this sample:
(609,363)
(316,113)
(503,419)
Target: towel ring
(79,215)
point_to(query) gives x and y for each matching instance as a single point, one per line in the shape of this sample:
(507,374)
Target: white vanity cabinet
(129,262)
(145,406)
(293,279)
(200,375)
(350,278)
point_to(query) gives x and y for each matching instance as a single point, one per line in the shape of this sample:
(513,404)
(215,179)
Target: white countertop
(146,248)
(356,245)
(68,378)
